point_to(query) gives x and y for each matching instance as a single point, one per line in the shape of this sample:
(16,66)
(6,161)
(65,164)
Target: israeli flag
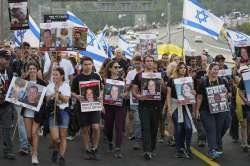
(127,47)
(104,43)
(237,39)
(198,19)
(94,49)
(31,35)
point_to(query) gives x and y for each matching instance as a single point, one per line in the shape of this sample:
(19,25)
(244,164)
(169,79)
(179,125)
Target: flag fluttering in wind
(94,49)
(127,48)
(198,19)
(31,35)
(237,39)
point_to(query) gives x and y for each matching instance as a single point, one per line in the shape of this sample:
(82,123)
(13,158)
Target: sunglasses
(116,67)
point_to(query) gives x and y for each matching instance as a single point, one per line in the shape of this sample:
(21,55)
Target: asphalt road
(165,156)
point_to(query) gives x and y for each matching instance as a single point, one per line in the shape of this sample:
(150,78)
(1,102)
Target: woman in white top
(58,94)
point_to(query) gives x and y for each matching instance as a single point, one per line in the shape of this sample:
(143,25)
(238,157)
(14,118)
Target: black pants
(6,123)
(149,117)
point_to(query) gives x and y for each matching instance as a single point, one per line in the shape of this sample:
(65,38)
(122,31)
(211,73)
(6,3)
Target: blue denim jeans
(23,140)
(137,123)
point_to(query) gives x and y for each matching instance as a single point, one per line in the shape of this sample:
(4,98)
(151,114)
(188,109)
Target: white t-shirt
(67,67)
(130,76)
(64,89)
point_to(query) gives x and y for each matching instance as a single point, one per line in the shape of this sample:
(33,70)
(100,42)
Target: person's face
(186,90)
(177,59)
(114,93)
(115,69)
(221,61)
(77,36)
(118,54)
(244,53)
(182,70)
(149,63)
(20,15)
(32,95)
(165,57)
(47,38)
(203,60)
(151,87)
(137,64)
(193,62)
(87,66)
(57,77)
(214,71)
(89,95)
(32,70)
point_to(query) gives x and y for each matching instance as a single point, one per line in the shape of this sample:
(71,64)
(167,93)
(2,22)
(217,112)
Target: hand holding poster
(185,90)
(26,94)
(246,79)
(19,15)
(151,86)
(113,92)
(217,99)
(90,91)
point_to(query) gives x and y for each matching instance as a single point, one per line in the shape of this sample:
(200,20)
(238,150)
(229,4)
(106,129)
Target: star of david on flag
(198,19)
(237,39)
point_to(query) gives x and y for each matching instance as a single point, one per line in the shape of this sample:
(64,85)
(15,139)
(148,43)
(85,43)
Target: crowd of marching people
(144,121)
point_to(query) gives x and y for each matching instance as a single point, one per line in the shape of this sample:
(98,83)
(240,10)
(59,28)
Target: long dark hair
(109,66)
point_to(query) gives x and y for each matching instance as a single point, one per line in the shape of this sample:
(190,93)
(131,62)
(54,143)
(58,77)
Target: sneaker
(88,155)
(201,143)
(23,151)
(214,154)
(95,155)
(9,156)
(54,156)
(244,147)
(131,137)
(70,138)
(110,147)
(34,160)
(180,154)
(136,146)
(171,142)
(147,156)
(187,153)
(61,161)
(118,153)
(161,140)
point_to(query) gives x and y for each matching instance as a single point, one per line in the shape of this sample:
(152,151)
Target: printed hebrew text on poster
(151,86)
(217,99)
(113,91)
(26,94)
(185,90)
(90,92)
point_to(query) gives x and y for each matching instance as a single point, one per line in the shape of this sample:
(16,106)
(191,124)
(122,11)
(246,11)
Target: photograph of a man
(32,97)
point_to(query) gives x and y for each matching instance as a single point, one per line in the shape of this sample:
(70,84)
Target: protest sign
(90,91)
(151,86)
(148,44)
(113,90)
(185,90)
(217,99)
(246,79)
(25,93)
(19,14)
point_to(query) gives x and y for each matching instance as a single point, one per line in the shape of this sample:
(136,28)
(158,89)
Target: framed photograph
(184,90)
(151,86)
(90,91)
(25,93)
(217,99)
(113,90)
(246,79)
(80,38)
(48,37)
(19,14)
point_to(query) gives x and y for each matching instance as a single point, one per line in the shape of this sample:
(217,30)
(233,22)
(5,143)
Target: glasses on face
(116,67)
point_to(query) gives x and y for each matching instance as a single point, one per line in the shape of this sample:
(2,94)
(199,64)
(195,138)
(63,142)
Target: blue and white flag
(104,43)
(198,19)
(94,49)
(237,39)
(31,35)
(127,48)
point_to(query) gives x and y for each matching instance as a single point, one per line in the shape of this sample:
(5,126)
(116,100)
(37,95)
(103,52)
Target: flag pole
(183,37)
